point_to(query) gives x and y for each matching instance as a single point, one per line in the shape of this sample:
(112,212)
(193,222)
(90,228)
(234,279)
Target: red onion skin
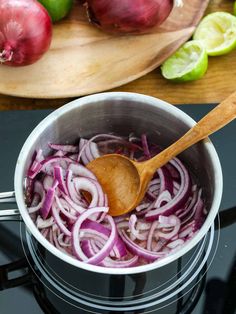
(25,32)
(128,16)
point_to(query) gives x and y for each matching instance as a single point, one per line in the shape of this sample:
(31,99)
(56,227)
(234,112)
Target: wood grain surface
(215,86)
(83,59)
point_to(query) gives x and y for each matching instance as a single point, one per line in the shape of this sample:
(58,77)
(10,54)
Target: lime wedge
(217,31)
(188,63)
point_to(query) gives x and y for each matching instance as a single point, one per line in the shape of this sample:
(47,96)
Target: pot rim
(150,101)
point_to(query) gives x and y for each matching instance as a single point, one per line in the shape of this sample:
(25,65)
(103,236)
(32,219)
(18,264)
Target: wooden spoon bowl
(125,181)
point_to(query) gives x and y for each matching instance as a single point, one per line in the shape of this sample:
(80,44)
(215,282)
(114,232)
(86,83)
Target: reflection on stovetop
(215,293)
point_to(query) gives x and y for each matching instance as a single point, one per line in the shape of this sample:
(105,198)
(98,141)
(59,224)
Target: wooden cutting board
(84,60)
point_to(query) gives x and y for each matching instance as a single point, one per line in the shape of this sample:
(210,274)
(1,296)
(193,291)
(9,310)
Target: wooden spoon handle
(221,115)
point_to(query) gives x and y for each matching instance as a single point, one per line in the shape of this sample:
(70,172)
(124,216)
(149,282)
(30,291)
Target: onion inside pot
(169,216)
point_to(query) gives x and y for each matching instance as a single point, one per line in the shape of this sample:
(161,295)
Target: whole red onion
(128,16)
(25,31)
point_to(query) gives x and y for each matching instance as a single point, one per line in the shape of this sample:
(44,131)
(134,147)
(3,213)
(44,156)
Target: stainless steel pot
(121,113)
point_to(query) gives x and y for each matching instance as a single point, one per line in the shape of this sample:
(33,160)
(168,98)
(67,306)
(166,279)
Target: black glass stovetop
(215,293)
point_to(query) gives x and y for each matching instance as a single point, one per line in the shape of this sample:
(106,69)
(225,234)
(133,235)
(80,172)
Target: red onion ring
(137,250)
(178,199)
(105,251)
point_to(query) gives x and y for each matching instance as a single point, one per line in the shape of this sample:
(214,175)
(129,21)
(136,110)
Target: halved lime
(188,63)
(217,31)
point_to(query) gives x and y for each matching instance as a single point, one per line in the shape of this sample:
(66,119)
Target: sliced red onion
(135,232)
(81,171)
(166,182)
(179,199)
(89,247)
(197,206)
(82,154)
(163,197)
(142,207)
(176,188)
(137,250)
(85,184)
(35,200)
(88,142)
(108,262)
(187,210)
(175,244)
(199,215)
(151,196)
(106,146)
(186,230)
(75,197)
(35,166)
(50,237)
(171,234)
(102,197)
(99,244)
(58,220)
(76,236)
(145,146)
(64,148)
(99,241)
(46,165)
(48,182)
(55,240)
(173,171)
(45,232)
(142,225)
(63,243)
(166,222)
(38,188)
(44,223)
(79,209)
(90,226)
(119,248)
(122,224)
(60,153)
(94,188)
(159,245)
(58,175)
(107,248)
(34,170)
(39,156)
(150,235)
(88,151)
(154,189)
(93,226)
(49,198)
(65,209)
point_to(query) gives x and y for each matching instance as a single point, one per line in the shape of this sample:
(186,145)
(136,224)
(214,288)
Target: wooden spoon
(125,181)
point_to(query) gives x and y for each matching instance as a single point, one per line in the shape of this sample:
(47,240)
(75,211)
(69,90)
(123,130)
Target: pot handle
(9,214)
(7,278)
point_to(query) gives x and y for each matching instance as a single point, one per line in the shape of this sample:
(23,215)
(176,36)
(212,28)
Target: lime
(217,31)
(57,9)
(188,63)
(234,8)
